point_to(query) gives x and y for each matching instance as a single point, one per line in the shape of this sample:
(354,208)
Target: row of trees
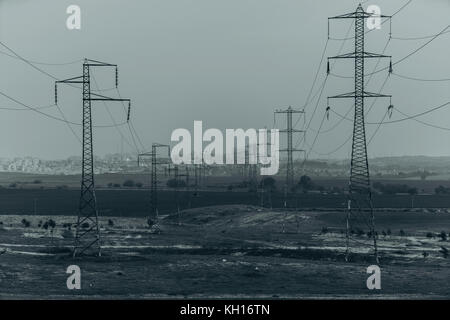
(127,184)
(393,188)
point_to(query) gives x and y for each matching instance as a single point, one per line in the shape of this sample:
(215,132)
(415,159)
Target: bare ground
(229,252)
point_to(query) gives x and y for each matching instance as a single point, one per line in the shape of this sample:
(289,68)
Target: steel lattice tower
(154,174)
(87,236)
(360,195)
(289,146)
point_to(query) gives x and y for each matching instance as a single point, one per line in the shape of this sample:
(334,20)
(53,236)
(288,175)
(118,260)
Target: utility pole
(360,195)
(154,174)
(87,236)
(289,183)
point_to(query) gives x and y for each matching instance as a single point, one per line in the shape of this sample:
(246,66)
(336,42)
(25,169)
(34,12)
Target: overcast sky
(229,63)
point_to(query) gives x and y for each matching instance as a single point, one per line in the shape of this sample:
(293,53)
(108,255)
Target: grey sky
(229,63)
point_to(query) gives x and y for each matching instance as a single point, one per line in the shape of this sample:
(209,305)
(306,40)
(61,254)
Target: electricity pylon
(360,194)
(289,148)
(268,145)
(154,174)
(250,170)
(87,236)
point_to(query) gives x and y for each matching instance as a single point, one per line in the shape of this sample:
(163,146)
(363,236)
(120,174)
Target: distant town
(407,167)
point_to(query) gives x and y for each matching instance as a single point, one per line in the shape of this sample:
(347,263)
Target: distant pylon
(154,174)
(289,146)
(360,195)
(87,230)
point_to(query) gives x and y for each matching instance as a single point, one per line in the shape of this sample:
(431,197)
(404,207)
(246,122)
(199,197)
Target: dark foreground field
(136,202)
(229,251)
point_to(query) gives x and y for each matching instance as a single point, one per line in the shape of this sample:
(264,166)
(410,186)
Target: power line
(413,52)
(64,119)
(320,91)
(26,109)
(396,12)
(134,136)
(111,116)
(37,110)
(403,119)
(419,79)
(423,122)
(417,38)
(42,63)
(29,62)
(348,111)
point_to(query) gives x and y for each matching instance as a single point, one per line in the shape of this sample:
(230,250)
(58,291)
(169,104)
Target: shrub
(394,188)
(51,223)
(442,190)
(26,223)
(430,235)
(110,223)
(139,184)
(128,183)
(443,236)
(306,183)
(37,181)
(402,233)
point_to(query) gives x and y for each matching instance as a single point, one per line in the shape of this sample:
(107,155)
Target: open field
(136,202)
(28,181)
(229,251)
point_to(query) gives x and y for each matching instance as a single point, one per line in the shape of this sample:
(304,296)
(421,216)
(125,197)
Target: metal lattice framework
(360,195)
(155,161)
(87,238)
(289,145)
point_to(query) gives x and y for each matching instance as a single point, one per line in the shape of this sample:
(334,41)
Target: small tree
(306,183)
(128,183)
(26,223)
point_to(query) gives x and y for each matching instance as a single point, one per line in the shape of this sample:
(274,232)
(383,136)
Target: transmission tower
(289,145)
(154,174)
(177,183)
(262,186)
(360,195)
(250,170)
(87,236)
